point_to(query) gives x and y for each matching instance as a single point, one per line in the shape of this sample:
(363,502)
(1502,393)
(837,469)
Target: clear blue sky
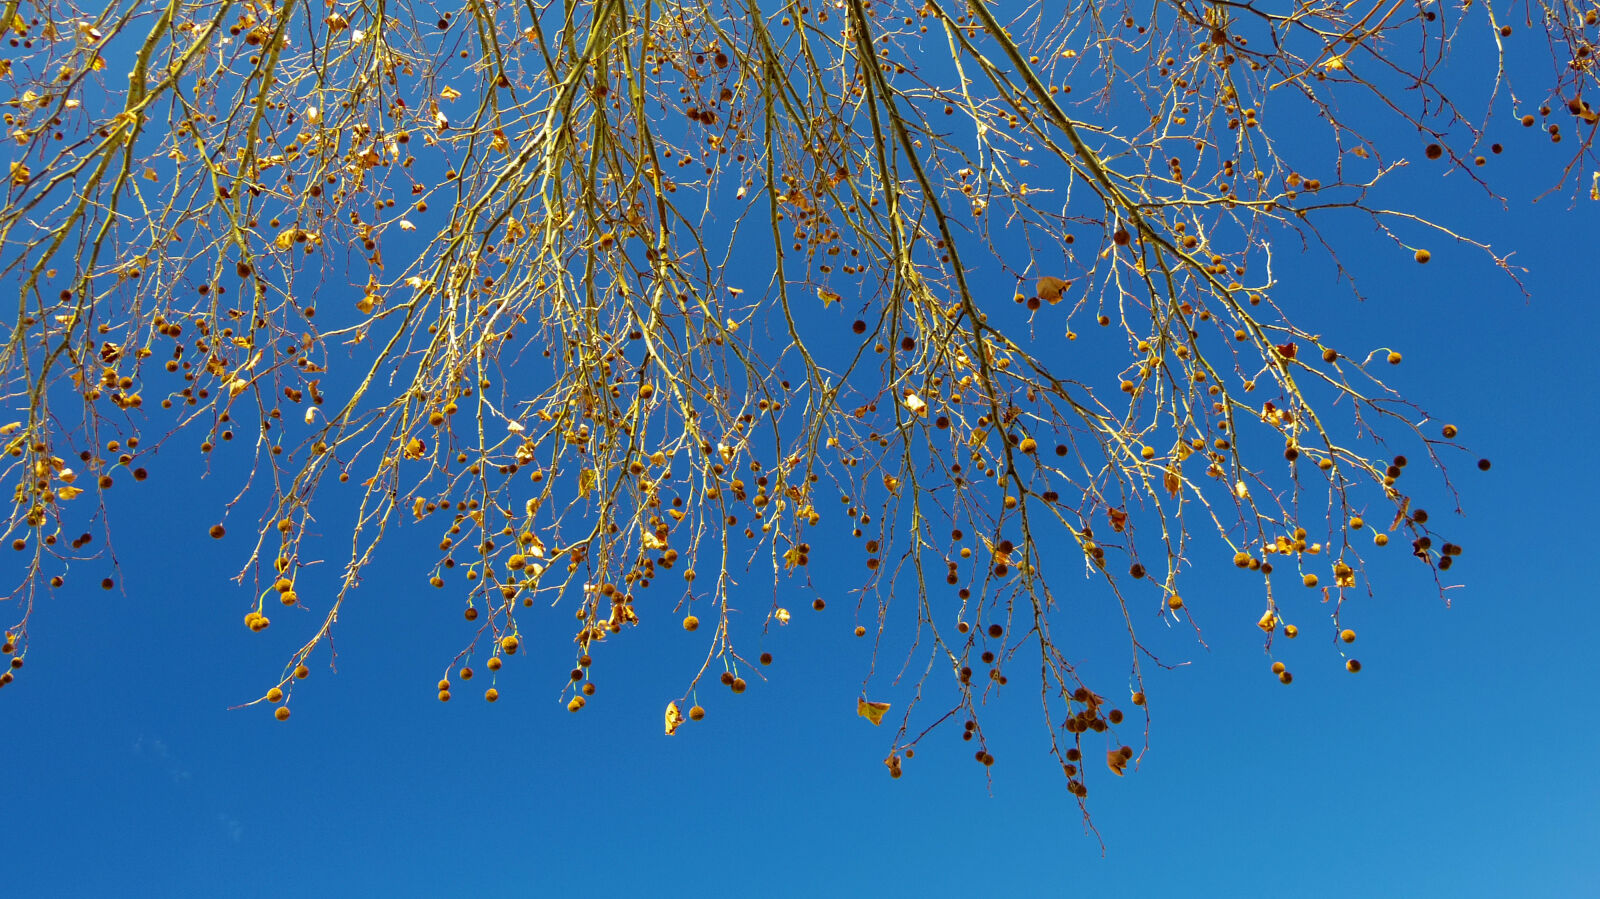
(1459,762)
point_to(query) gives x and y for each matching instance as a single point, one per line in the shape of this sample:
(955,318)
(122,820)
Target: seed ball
(1394,358)
(1423,256)
(218,532)
(282,714)
(1291,631)
(1138,699)
(274,695)
(1449,432)
(491,694)
(691,623)
(1352,666)
(860,631)
(996,631)
(697,713)
(818,604)
(1347,635)
(1309,580)
(1174,602)
(738,685)
(766,658)
(1279,667)
(302,672)
(1284,677)
(1483,464)
(727,678)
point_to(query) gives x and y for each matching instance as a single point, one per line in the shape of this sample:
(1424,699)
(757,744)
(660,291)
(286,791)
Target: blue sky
(1457,763)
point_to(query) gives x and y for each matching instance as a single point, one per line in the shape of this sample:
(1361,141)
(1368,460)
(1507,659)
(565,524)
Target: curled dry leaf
(872,711)
(1050,289)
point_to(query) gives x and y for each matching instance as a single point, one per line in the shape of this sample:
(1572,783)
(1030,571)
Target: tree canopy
(644,310)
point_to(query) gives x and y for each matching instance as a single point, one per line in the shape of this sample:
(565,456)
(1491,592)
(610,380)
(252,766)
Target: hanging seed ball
(444,695)
(1279,667)
(1433,151)
(860,631)
(766,658)
(1352,666)
(996,631)
(1381,539)
(509,644)
(282,713)
(1347,635)
(275,695)
(818,604)
(1449,432)
(697,713)
(491,694)
(218,532)
(576,704)
(1483,464)
(691,623)
(1291,631)
(302,672)
(1028,445)
(727,678)
(1285,677)
(1174,602)
(738,685)
(1423,256)
(1138,699)
(1394,358)
(1309,580)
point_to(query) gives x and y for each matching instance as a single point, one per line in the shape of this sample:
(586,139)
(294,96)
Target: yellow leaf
(449,93)
(587,479)
(827,297)
(19,173)
(872,711)
(69,492)
(674,718)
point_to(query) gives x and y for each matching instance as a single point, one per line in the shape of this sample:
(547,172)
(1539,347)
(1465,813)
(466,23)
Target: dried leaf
(872,711)
(1050,289)
(674,718)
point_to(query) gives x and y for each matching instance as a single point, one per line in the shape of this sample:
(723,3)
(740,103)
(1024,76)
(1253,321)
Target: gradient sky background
(1459,762)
